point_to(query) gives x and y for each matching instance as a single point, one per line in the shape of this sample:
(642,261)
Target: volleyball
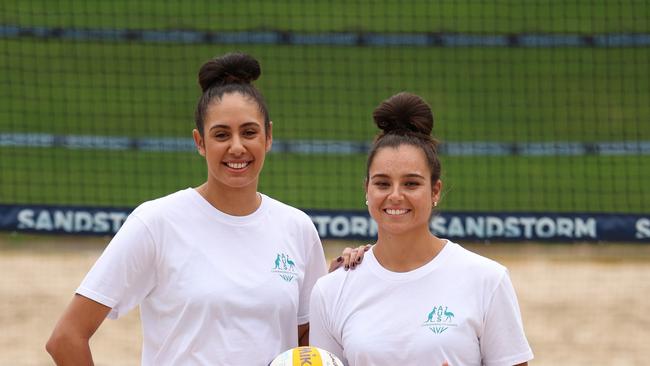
(311,356)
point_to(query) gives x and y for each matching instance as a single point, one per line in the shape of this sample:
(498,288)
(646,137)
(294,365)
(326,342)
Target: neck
(232,201)
(406,251)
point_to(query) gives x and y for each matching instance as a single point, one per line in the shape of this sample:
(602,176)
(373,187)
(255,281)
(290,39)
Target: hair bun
(231,68)
(404,113)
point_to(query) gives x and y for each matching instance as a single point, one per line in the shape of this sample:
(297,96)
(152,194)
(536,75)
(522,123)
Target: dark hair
(406,118)
(230,73)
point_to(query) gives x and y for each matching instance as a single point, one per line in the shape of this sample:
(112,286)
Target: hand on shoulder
(350,258)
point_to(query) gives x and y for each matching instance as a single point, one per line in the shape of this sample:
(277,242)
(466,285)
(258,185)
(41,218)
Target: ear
(269,137)
(198,141)
(436,191)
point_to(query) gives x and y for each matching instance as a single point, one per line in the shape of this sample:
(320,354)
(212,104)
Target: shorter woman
(418,299)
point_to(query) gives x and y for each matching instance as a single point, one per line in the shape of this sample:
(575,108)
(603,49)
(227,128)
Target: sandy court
(582,304)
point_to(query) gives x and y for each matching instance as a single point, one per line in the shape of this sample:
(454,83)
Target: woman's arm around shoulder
(68,344)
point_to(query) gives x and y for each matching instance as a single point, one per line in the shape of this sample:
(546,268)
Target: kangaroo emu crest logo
(284,266)
(439,319)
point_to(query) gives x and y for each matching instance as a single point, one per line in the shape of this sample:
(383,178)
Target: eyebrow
(244,125)
(410,175)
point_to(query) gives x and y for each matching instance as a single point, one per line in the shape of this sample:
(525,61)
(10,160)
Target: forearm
(303,335)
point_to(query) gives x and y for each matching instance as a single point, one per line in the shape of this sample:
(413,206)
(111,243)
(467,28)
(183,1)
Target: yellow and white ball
(311,356)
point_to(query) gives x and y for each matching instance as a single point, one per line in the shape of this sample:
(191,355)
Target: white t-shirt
(213,289)
(460,307)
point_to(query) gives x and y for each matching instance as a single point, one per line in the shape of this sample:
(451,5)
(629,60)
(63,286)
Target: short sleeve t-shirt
(213,289)
(460,308)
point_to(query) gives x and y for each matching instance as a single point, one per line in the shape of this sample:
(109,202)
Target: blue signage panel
(62,219)
(498,226)
(359,225)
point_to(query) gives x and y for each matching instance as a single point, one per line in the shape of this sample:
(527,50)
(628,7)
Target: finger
(354,255)
(335,264)
(357,256)
(348,255)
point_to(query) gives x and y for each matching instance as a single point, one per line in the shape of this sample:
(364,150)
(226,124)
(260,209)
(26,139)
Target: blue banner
(358,225)
(62,219)
(498,226)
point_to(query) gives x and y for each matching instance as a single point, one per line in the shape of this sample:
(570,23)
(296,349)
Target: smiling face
(399,189)
(234,142)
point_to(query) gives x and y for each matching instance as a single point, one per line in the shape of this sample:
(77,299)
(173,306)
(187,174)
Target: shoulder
(350,282)
(332,283)
(156,209)
(477,275)
(283,212)
(470,262)
(294,224)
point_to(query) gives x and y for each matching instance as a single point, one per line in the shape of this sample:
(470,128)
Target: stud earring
(435,203)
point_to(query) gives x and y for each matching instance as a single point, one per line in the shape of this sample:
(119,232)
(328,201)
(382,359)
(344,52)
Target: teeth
(391,211)
(237,165)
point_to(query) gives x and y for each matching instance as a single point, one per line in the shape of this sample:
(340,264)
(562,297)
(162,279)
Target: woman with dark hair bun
(221,272)
(418,299)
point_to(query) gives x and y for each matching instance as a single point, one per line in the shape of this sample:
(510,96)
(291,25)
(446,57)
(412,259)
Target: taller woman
(418,299)
(222,273)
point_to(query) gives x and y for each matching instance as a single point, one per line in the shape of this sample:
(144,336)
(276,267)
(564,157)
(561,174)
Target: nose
(395,194)
(236,146)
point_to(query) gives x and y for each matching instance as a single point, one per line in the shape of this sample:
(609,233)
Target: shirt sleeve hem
(512,360)
(303,319)
(104,300)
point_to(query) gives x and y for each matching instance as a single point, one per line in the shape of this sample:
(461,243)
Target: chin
(240,182)
(395,229)
(402,227)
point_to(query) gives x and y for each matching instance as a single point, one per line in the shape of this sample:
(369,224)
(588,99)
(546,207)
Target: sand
(581,304)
